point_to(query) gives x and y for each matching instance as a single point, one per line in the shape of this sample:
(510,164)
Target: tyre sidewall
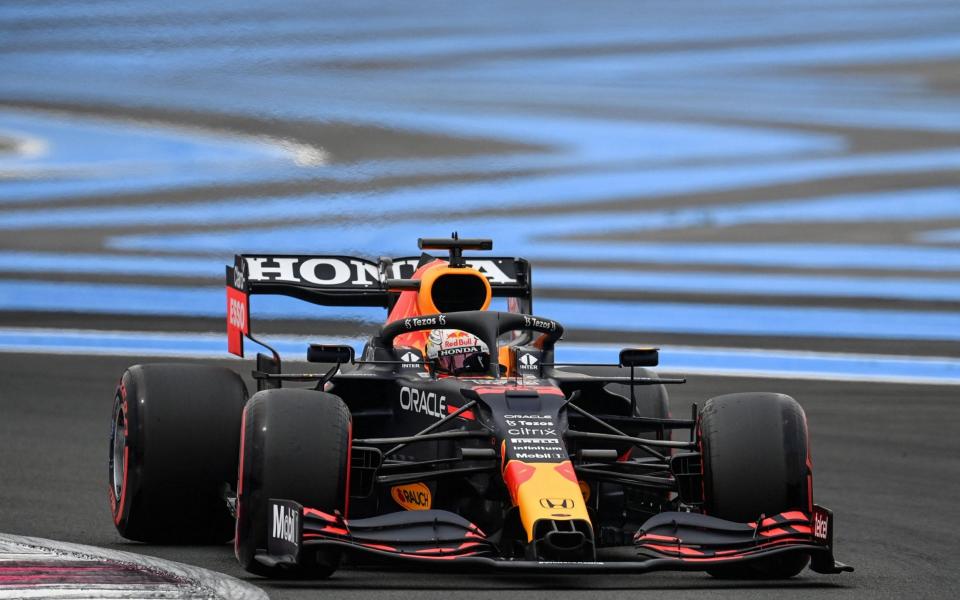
(756,463)
(295,446)
(182,430)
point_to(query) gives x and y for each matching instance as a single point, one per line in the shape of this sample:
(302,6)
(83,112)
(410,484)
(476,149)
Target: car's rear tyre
(295,446)
(173,447)
(755,462)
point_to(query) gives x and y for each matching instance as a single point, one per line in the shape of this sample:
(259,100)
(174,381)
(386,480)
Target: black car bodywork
(531,465)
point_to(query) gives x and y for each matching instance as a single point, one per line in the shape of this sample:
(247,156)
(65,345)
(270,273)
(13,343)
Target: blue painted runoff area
(545,191)
(641,316)
(75,156)
(784,363)
(376,233)
(769,284)
(674,360)
(940,236)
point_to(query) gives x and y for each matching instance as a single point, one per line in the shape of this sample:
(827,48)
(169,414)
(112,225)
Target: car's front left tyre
(295,446)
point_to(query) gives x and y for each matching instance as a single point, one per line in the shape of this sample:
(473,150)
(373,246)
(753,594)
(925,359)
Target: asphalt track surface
(771,176)
(884,459)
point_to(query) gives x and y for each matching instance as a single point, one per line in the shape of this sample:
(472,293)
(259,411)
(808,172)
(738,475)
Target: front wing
(671,541)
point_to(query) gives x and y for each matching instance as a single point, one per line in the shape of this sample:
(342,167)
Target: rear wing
(348,281)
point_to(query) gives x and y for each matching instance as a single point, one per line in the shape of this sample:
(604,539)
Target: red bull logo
(456,339)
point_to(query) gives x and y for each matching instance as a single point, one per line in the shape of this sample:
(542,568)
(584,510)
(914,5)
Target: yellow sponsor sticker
(413,496)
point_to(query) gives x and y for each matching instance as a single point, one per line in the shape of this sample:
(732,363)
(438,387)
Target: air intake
(446,289)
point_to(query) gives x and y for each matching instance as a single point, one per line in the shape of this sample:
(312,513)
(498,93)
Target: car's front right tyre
(756,463)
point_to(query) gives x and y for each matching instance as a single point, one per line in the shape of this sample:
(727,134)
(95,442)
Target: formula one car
(456,439)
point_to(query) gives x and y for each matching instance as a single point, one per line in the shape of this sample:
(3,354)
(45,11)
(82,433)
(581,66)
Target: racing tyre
(756,461)
(173,452)
(295,446)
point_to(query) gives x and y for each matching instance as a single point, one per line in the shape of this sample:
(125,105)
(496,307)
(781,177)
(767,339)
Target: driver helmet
(455,352)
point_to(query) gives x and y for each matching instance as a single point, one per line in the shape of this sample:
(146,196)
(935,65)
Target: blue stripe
(940,236)
(662,317)
(720,361)
(395,239)
(560,189)
(729,361)
(110,264)
(148,343)
(83,156)
(709,319)
(179,56)
(144,157)
(392,233)
(148,300)
(902,288)
(760,284)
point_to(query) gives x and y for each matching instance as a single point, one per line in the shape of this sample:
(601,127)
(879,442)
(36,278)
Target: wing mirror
(319,353)
(639,357)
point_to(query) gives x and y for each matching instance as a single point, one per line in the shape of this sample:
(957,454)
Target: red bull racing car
(456,438)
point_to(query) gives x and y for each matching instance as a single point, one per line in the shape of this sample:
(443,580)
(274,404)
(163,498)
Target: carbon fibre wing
(335,280)
(425,535)
(669,541)
(695,538)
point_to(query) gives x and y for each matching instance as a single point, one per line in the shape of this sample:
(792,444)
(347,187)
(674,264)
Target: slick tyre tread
(755,461)
(173,447)
(295,446)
